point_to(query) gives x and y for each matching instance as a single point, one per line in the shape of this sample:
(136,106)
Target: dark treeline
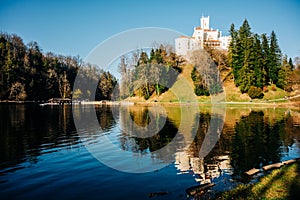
(257,61)
(26,73)
(143,75)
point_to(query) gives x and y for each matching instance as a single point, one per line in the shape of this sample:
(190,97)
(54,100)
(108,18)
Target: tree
(77,94)
(274,58)
(245,30)
(64,86)
(106,86)
(238,60)
(255,92)
(284,73)
(254,60)
(126,83)
(200,86)
(141,75)
(297,63)
(291,64)
(17,92)
(247,73)
(265,59)
(259,70)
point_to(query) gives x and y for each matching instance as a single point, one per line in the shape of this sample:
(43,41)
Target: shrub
(273,88)
(288,88)
(265,89)
(255,92)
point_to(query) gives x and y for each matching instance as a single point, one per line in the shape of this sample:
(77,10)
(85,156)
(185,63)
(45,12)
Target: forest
(26,73)
(143,75)
(257,61)
(254,61)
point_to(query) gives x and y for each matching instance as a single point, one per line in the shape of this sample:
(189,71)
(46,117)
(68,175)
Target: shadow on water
(255,143)
(27,131)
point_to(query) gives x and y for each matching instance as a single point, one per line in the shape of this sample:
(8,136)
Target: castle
(202,36)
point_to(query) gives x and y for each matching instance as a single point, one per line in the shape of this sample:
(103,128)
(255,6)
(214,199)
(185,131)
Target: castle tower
(204,21)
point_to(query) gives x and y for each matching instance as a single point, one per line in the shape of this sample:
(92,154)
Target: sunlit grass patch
(281,183)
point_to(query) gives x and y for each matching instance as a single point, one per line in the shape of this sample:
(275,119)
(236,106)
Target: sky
(77,27)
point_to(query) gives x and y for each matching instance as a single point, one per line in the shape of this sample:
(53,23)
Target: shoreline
(269,103)
(282,183)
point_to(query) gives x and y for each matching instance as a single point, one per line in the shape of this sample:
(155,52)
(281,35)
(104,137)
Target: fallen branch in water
(198,189)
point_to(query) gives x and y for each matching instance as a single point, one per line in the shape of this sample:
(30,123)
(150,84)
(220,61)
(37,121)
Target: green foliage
(291,64)
(265,59)
(284,74)
(148,75)
(200,86)
(274,58)
(106,86)
(26,73)
(254,60)
(255,92)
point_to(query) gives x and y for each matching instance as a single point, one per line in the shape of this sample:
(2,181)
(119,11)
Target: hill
(183,91)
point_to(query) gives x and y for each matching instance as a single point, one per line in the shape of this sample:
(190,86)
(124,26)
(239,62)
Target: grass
(281,183)
(278,94)
(183,91)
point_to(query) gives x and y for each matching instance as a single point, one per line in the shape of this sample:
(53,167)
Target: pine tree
(238,60)
(246,73)
(232,47)
(275,58)
(265,61)
(152,56)
(258,62)
(291,64)
(245,31)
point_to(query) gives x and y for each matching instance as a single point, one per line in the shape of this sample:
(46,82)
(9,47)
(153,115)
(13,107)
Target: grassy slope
(281,183)
(183,90)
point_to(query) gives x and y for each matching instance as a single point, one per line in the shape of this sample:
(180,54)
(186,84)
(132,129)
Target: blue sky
(76,27)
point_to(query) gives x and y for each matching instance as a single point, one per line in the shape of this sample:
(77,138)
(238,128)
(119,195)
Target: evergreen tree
(265,61)
(284,73)
(247,73)
(245,32)
(258,63)
(232,43)
(275,58)
(152,56)
(291,64)
(238,60)
(254,61)
(200,85)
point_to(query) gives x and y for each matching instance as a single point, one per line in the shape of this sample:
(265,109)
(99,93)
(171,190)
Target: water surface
(42,155)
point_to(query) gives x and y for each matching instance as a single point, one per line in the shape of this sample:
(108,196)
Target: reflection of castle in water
(204,172)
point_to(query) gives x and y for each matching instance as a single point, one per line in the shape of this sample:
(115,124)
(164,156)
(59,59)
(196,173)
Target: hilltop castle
(203,36)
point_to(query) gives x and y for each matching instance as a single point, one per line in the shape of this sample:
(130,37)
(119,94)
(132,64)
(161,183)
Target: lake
(137,152)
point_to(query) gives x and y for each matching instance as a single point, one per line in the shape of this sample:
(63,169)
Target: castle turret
(204,21)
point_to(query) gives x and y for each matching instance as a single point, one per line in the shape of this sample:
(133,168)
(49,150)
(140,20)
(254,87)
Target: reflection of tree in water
(255,143)
(204,121)
(159,140)
(255,140)
(105,117)
(140,116)
(220,148)
(293,130)
(24,128)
